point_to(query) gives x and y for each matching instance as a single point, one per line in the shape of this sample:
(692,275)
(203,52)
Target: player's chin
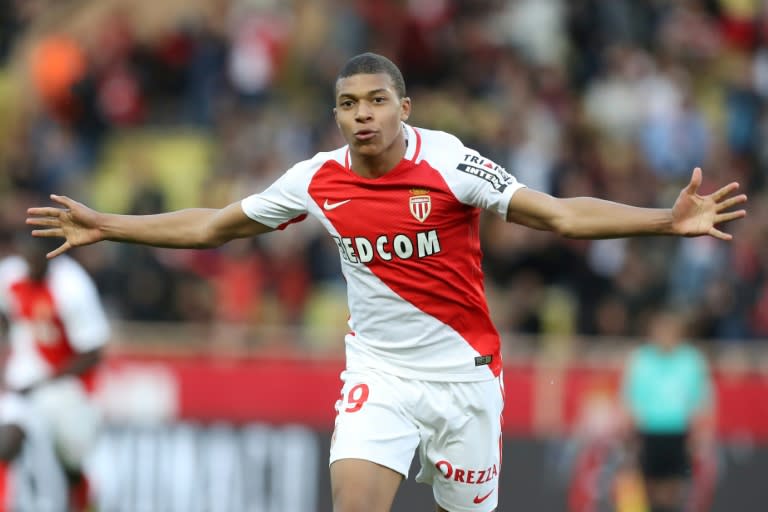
(368,148)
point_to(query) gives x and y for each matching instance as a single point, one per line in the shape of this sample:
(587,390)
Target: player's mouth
(365,135)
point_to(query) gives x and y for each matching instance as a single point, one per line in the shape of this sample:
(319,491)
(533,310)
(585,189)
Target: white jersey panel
(393,335)
(474,179)
(286,199)
(79,305)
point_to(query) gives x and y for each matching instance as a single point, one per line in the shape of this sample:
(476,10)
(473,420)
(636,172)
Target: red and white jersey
(410,252)
(50,321)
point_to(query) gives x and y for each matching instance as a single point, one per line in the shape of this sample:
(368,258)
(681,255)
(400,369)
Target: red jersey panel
(36,307)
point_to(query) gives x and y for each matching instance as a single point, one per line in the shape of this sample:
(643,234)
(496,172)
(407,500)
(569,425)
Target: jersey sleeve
(80,306)
(476,180)
(285,200)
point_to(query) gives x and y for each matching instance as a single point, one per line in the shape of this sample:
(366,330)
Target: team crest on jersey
(420,204)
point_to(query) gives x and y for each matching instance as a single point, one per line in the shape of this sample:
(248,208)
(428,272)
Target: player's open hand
(75,223)
(696,215)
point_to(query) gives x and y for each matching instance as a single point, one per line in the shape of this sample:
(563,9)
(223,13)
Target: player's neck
(375,166)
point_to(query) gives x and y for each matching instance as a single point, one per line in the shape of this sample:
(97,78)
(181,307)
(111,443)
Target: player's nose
(364,111)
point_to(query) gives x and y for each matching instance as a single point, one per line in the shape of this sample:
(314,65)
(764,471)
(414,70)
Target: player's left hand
(696,215)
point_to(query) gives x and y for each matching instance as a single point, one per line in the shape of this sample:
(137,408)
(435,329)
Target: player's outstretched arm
(587,217)
(80,225)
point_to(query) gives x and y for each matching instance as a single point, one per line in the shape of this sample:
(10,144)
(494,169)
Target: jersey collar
(412,146)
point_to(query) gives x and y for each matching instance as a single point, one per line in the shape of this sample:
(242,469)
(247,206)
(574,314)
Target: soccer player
(48,421)
(423,369)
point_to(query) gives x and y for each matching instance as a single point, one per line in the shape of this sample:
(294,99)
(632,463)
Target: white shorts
(456,427)
(70,416)
(74,418)
(36,480)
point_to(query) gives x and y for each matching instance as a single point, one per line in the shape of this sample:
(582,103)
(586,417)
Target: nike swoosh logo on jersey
(332,206)
(479,499)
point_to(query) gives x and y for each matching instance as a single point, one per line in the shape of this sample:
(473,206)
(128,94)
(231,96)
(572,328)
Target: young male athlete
(48,422)
(402,204)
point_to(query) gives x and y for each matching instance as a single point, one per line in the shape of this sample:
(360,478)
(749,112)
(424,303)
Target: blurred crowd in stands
(141,106)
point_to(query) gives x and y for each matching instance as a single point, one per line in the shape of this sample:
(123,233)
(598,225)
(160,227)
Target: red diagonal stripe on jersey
(447,286)
(36,305)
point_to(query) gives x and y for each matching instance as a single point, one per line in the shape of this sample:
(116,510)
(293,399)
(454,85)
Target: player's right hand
(75,223)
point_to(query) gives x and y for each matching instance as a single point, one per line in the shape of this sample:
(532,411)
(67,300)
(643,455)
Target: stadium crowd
(613,98)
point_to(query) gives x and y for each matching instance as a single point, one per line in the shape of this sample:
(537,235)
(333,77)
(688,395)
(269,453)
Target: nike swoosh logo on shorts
(331,206)
(479,499)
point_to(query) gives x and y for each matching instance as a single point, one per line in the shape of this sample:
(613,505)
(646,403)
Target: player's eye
(347,104)
(379,99)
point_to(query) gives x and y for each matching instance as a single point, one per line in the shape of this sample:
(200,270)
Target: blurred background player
(667,390)
(57,329)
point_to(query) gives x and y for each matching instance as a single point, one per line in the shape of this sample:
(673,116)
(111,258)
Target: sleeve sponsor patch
(486,169)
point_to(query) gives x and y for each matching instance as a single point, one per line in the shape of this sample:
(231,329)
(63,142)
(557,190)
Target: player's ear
(405,108)
(336,116)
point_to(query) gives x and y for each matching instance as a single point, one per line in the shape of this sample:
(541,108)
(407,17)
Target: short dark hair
(370,64)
